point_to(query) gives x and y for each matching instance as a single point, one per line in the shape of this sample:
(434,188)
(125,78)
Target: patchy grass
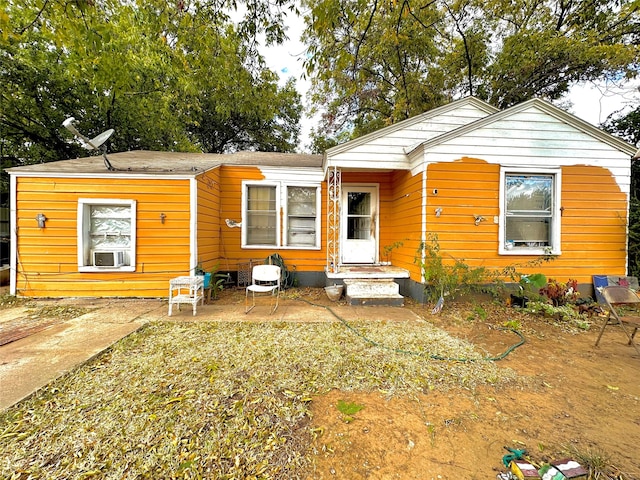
(60,312)
(7,300)
(220,400)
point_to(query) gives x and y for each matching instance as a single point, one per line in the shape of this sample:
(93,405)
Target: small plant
(562,313)
(478,312)
(348,410)
(512,325)
(387,249)
(530,285)
(528,289)
(217,281)
(598,464)
(431,429)
(560,293)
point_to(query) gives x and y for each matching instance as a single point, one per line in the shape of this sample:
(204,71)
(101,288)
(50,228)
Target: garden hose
(514,454)
(421,354)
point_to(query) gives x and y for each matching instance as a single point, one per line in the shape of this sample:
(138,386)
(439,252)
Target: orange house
(496,188)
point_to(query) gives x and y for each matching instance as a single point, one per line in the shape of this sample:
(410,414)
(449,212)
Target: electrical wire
(422,354)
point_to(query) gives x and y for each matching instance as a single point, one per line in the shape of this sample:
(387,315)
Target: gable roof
(542,105)
(455,105)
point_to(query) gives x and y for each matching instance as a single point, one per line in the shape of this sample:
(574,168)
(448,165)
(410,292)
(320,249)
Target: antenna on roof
(90,144)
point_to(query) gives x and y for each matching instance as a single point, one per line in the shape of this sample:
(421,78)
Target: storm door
(359,224)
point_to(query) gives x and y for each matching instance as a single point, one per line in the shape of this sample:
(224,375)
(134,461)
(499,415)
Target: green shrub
(452,278)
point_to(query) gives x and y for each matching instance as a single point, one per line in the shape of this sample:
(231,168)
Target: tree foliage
(627,126)
(375,63)
(165,75)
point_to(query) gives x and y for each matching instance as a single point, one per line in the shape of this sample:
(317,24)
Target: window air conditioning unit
(108,259)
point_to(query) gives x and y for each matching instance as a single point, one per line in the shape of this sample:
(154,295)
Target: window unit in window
(106,235)
(529,211)
(300,207)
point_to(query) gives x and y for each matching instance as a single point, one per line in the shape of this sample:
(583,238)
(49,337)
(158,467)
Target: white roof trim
(490,109)
(110,175)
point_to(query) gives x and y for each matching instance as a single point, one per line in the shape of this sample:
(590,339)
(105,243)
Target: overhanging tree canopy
(166,76)
(374,63)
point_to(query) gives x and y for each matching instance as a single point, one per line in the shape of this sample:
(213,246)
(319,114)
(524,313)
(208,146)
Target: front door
(359,224)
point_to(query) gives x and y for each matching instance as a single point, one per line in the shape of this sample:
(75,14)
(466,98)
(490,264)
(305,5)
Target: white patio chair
(265,279)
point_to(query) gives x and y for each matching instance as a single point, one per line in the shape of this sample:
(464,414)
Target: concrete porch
(370,284)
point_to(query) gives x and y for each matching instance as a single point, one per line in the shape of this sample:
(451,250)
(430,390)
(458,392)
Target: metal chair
(616,298)
(265,279)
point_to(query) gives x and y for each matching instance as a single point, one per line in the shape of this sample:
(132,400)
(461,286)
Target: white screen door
(359,224)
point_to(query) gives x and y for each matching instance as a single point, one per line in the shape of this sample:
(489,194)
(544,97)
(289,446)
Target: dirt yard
(573,399)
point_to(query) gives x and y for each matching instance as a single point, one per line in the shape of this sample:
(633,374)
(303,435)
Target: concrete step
(373,291)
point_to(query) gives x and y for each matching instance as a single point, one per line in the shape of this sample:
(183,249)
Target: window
(106,235)
(266,205)
(359,215)
(262,218)
(302,208)
(530,219)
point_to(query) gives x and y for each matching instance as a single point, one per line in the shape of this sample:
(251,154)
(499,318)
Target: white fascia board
(111,176)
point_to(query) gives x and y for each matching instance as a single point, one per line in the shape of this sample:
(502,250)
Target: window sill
(92,269)
(539,252)
(282,247)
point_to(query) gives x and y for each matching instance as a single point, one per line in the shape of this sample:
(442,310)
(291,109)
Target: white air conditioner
(108,259)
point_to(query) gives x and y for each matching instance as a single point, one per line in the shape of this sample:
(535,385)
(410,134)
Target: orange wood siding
(209,221)
(405,224)
(47,258)
(231,251)
(593,223)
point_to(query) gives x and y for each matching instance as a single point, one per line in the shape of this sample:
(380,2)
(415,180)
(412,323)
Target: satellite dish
(95,143)
(90,144)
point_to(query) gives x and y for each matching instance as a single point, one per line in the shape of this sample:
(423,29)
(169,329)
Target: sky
(595,102)
(590,102)
(286,60)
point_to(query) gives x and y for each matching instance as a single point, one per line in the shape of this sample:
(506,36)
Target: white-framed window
(106,235)
(302,216)
(279,214)
(530,211)
(261,221)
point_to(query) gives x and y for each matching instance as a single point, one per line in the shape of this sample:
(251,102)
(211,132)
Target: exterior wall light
(162,217)
(40,218)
